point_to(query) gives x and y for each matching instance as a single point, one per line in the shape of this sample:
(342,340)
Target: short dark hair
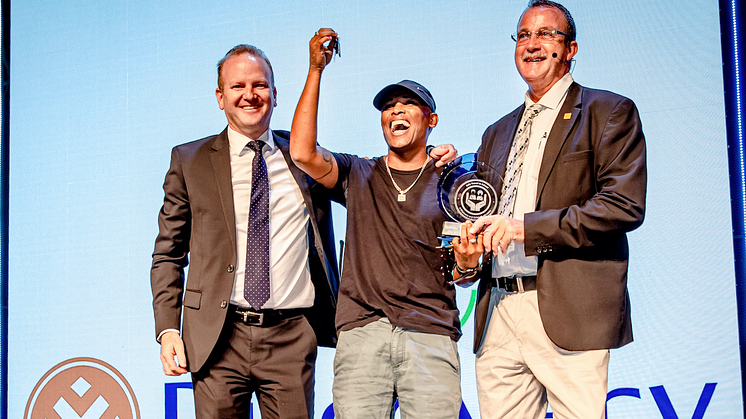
(570,30)
(244,49)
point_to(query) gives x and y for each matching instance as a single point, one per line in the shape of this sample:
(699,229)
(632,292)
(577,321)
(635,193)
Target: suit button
(223,304)
(230,269)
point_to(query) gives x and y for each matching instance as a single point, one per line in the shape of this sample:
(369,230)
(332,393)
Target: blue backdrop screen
(102,90)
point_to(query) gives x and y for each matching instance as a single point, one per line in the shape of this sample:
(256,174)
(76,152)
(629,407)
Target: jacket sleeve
(170,256)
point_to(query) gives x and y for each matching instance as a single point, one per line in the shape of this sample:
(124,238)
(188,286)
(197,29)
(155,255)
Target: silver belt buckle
(249,315)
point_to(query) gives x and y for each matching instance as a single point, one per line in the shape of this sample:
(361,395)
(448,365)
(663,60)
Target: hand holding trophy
(463,197)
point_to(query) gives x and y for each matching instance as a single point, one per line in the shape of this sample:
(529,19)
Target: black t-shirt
(391,265)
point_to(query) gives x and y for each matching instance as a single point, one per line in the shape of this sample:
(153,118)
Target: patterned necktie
(256,276)
(515,163)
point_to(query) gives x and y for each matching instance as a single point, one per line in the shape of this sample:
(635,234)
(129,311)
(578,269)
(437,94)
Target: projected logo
(82,388)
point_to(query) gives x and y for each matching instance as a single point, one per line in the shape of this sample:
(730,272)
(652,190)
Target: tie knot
(534,110)
(256,145)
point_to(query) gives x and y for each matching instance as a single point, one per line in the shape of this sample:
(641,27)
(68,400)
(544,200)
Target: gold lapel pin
(567,115)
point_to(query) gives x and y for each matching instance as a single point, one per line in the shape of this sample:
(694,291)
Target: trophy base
(451,229)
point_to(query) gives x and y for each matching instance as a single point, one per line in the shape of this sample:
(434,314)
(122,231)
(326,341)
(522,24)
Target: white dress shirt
(290,276)
(514,260)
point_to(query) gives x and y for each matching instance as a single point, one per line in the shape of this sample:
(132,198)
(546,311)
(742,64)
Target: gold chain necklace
(403,193)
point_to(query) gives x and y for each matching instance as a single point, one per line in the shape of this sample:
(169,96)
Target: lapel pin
(567,115)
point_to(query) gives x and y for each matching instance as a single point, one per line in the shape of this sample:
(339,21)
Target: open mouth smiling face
(405,121)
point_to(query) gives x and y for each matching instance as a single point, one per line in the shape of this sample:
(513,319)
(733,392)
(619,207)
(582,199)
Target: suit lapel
(558,136)
(300,176)
(502,151)
(221,167)
(305,183)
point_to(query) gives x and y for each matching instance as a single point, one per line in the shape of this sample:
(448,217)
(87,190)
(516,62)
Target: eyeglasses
(543,35)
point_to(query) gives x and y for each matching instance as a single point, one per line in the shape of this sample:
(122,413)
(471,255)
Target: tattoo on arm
(328,158)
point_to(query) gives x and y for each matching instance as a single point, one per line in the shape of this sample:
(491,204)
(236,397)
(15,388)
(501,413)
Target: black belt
(263,317)
(515,283)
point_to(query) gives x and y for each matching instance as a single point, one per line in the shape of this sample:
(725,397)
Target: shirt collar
(554,97)
(238,141)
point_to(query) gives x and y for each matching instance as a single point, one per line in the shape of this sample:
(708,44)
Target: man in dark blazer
(231,348)
(570,167)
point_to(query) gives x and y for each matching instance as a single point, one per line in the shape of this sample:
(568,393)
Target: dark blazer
(197,220)
(591,192)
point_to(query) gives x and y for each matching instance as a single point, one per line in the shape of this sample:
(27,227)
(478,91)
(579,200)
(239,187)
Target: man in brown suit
(570,167)
(232,347)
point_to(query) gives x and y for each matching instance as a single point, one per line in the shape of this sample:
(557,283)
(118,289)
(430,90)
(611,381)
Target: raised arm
(316,161)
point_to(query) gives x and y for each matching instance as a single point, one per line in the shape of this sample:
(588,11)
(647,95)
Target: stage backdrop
(101,91)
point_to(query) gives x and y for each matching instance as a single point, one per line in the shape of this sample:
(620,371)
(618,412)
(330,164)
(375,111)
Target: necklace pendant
(402,197)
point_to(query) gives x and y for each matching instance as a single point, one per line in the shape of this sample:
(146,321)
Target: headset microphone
(554,55)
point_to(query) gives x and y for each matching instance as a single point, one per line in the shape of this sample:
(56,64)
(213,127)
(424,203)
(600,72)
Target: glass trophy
(462,196)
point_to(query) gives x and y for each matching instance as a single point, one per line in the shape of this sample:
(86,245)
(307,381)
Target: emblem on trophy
(462,196)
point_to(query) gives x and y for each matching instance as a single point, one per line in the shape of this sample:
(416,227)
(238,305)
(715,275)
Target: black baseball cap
(408,86)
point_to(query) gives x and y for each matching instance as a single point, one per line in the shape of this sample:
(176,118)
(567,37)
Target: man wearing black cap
(397,318)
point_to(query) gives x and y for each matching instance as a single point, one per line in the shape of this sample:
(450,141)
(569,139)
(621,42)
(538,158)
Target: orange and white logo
(82,388)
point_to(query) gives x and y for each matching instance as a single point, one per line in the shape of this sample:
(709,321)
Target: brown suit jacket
(197,222)
(591,192)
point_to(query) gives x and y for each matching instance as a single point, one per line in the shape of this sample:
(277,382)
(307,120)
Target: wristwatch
(469,272)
